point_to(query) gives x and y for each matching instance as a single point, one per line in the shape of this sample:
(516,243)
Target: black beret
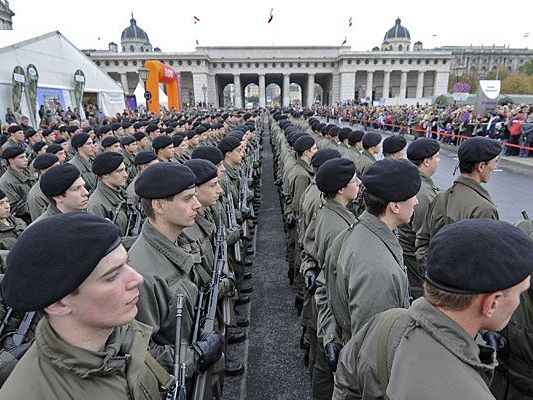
(163,180)
(422,148)
(58,179)
(470,257)
(48,272)
(323,155)
(72,128)
(394,144)
(110,141)
(126,125)
(228,143)
(12,151)
(139,136)
(38,146)
(210,153)
(190,134)
(62,128)
(104,129)
(161,142)
(107,162)
(325,129)
(355,137)
(88,129)
(334,174)
(144,157)
(204,170)
(392,180)
(47,132)
(344,133)
(54,148)
(14,128)
(115,126)
(177,139)
(371,139)
(479,149)
(137,125)
(333,131)
(79,139)
(151,128)
(30,132)
(60,140)
(2,194)
(303,143)
(200,129)
(127,140)
(43,161)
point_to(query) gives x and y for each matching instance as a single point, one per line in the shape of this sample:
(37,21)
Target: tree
(501,73)
(527,68)
(517,83)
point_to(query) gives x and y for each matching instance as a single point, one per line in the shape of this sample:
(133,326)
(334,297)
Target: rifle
(22,331)
(524,214)
(179,391)
(222,254)
(210,316)
(134,220)
(230,210)
(5,320)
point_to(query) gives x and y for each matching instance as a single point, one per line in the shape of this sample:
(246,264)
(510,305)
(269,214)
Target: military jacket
(50,211)
(87,174)
(110,204)
(167,270)
(16,186)
(429,357)
(37,201)
(362,163)
(53,369)
(299,178)
(352,154)
(365,273)
(10,233)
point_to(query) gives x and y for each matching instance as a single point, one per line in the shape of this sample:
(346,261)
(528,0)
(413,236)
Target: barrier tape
(454,135)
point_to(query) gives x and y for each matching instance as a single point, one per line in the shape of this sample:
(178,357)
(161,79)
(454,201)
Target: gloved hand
(16,351)
(246,212)
(209,349)
(310,280)
(227,284)
(332,351)
(497,341)
(291,221)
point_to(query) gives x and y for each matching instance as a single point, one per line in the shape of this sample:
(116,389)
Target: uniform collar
(339,209)
(474,185)
(381,230)
(114,196)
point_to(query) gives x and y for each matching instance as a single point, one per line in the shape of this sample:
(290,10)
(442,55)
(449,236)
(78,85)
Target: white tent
(139,95)
(56,60)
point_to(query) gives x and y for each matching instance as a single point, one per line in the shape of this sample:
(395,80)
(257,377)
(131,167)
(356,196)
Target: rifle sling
(166,380)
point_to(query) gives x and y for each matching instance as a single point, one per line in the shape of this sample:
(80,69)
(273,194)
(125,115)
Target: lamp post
(143,75)
(204,89)
(458,71)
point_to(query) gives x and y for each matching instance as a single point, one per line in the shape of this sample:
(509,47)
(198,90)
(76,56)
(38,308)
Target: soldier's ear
(58,309)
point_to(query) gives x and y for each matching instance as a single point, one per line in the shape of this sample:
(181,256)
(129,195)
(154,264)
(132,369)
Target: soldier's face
(75,198)
(108,297)
(89,148)
(115,148)
(486,169)
(182,209)
(405,209)
(62,156)
(352,189)
(118,177)
(209,193)
(5,209)
(19,162)
(433,163)
(168,152)
(501,305)
(221,169)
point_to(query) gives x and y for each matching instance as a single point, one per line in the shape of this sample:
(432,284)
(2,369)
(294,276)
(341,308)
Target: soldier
(36,200)
(353,152)
(64,187)
(371,146)
(432,350)
(394,147)
(167,196)
(337,181)
(367,259)
(85,150)
(152,131)
(16,182)
(466,199)
(129,149)
(88,345)
(112,143)
(10,227)
(142,141)
(424,153)
(16,137)
(164,148)
(58,150)
(343,140)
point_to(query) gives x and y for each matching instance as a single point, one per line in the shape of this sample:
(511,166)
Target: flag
(196,19)
(526,34)
(271,16)
(345,40)
(350,22)
(197,44)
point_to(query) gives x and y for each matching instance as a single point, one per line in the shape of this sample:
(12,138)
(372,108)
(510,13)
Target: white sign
(19,78)
(491,89)
(79,78)
(458,96)
(115,98)
(32,72)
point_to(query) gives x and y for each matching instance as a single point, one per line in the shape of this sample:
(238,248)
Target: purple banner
(131,102)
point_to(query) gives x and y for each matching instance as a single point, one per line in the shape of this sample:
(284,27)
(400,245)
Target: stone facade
(6,16)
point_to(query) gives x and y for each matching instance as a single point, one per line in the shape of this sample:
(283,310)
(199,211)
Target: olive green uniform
(362,163)
(37,201)
(110,204)
(16,186)
(87,174)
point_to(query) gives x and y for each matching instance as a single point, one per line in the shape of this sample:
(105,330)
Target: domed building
(397,38)
(134,39)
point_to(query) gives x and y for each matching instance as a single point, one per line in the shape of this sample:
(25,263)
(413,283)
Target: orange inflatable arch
(161,73)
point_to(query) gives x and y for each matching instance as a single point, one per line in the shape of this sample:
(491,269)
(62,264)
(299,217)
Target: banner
(51,98)
(19,80)
(486,96)
(79,87)
(31,89)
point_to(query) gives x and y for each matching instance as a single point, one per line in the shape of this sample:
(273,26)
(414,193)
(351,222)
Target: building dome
(133,32)
(397,32)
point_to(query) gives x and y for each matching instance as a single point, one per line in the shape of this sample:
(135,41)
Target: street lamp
(204,89)
(143,75)
(458,71)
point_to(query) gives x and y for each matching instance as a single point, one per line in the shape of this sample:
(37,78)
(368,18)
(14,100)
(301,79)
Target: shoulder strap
(163,377)
(384,330)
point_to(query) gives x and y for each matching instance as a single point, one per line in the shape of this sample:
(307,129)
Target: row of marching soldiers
(133,294)
(404,291)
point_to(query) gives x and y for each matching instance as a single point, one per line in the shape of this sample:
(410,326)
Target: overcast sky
(95,23)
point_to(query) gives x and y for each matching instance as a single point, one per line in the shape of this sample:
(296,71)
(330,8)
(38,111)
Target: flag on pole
(345,40)
(271,16)
(197,43)
(196,19)
(350,22)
